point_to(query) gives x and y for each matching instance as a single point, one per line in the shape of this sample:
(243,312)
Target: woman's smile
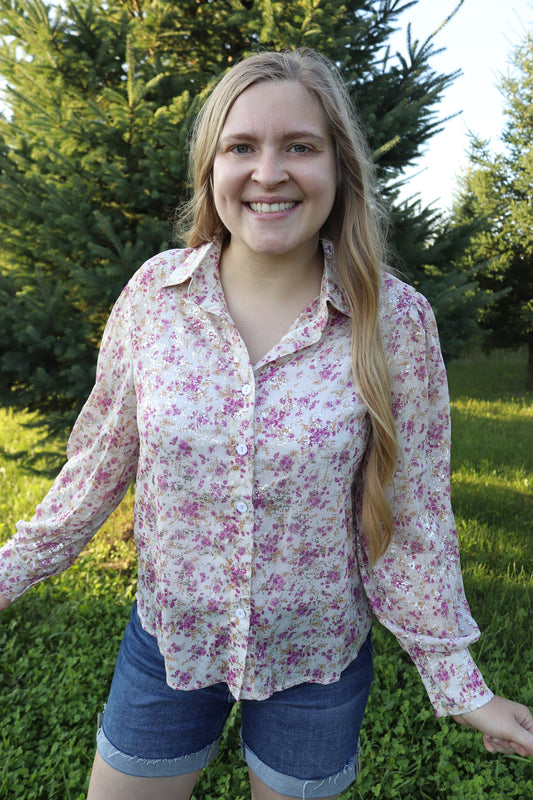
(271,208)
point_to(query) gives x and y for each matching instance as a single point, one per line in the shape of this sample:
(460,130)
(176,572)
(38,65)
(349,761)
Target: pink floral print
(253,569)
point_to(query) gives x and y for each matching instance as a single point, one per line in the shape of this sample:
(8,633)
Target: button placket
(243,449)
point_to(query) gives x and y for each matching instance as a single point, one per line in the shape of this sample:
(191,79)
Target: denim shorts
(301,742)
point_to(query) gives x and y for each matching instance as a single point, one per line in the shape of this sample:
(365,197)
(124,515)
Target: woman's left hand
(507,727)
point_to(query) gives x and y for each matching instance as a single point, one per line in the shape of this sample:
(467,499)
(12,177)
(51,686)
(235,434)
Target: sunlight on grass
(515,408)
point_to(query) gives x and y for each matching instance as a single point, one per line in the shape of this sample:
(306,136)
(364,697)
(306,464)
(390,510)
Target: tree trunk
(529,376)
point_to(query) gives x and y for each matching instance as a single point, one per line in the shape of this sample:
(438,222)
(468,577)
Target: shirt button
(240,613)
(246,389)
(242,508)
(241,449)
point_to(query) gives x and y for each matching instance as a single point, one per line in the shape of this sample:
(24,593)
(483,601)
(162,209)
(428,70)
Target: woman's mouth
(270,208)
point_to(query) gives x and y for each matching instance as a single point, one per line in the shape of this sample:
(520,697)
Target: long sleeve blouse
(252,567)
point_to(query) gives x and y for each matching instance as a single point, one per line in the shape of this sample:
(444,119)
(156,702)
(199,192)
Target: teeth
(270,208)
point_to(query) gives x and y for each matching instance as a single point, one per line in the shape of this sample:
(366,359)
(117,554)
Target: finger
(494,745)
(504,746)
(497,745)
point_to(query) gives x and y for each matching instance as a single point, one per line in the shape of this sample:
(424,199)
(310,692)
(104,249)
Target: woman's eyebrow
(305,133)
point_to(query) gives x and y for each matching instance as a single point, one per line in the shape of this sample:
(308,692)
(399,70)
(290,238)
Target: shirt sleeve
(102,455)
(416,589)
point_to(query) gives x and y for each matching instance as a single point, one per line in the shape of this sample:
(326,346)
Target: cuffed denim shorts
(301,742)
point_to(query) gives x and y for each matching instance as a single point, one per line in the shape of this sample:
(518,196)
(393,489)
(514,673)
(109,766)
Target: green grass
(58,642)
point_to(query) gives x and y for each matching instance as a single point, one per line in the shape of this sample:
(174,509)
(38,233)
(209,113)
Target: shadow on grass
(45,463)
(496,444)
(498,375)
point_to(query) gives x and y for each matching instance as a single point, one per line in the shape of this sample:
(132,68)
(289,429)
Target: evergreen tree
(497,189)
(93,148)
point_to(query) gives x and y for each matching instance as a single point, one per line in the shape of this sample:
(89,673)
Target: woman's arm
(416,588)
(102,458)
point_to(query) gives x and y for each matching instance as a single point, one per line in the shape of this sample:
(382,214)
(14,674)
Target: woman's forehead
(276,105)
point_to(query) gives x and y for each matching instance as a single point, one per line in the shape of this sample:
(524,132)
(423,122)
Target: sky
(478,41)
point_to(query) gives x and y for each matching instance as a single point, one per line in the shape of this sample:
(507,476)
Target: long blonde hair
(354,226)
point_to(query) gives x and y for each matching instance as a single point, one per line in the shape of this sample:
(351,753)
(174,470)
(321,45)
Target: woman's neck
(265,295)
(272,274)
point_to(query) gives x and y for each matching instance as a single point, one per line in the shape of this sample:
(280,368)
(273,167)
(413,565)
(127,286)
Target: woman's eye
(300,148)
(240,149)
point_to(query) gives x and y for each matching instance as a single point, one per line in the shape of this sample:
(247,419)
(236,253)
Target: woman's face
(274,178)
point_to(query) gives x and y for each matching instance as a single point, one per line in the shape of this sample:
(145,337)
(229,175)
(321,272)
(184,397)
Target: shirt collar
(192,260)
(200,265)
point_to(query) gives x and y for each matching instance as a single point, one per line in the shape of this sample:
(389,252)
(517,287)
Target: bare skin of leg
(109,784)
(262,792)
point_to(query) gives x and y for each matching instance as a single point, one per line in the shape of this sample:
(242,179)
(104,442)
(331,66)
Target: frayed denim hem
(153,767)
(299,787)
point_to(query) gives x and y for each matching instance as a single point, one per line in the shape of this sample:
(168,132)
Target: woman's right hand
(4,602)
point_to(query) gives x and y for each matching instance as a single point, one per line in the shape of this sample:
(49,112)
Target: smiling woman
(281,399)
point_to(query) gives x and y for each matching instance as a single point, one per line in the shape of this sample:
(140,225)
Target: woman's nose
(270,170)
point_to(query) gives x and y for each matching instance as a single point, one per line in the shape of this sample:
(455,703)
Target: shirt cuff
(453,682)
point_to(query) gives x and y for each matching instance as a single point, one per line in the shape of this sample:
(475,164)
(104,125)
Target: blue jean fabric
(302,742)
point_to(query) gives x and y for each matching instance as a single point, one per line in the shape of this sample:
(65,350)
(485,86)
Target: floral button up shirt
(252,566)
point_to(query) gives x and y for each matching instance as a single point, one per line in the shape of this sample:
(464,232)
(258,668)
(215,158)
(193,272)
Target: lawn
(58,642)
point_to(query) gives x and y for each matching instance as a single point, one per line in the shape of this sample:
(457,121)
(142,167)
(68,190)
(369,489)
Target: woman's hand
(507,727)
(4,602)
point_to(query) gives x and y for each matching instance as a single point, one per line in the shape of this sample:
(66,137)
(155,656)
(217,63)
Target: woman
(282,401)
